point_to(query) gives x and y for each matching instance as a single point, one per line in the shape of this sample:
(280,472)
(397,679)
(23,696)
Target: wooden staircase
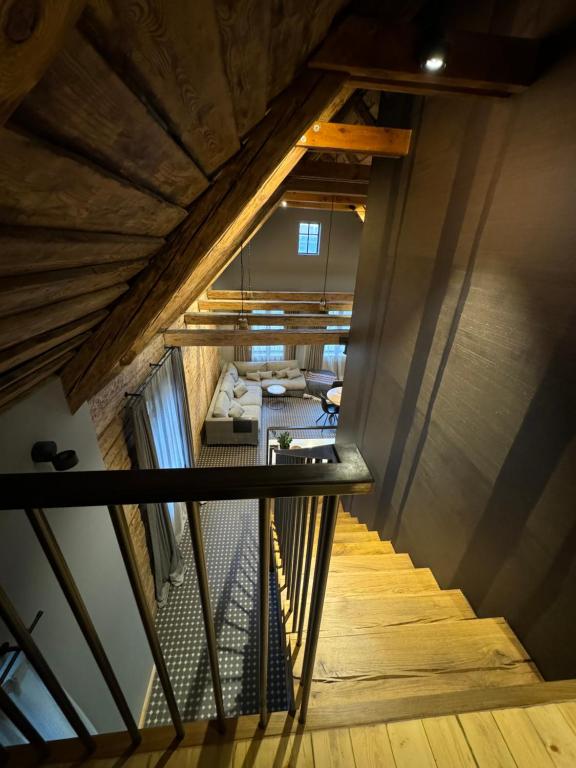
(389,632)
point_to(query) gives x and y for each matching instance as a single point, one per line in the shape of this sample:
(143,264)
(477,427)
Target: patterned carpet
(230,530)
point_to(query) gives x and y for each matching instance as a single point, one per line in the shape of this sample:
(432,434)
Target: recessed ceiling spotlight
(284,204)
(434,64)
(434,57)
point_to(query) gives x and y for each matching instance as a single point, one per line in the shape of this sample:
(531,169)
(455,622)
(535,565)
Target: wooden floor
(532,737)
(389,631)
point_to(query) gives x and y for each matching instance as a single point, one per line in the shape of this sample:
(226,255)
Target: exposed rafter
(344,137)
(32,35)
(286,321)
(228,293)
(224,305)
(379,56)
(207,239)
(228,338)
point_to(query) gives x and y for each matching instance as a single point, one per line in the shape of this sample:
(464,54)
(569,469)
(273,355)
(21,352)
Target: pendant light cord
(328,252)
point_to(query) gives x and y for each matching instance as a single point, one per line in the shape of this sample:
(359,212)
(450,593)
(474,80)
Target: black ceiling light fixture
(46,451)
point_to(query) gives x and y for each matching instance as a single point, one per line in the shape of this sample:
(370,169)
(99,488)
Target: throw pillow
(240,389)
(263,374)
(283,374)
(227,385)
(236,411)
(293,373)
(233,371)
(253,375)
(221,405)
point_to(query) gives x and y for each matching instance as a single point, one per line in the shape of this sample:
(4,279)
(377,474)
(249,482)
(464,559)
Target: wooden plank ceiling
(141,142)
(123,119)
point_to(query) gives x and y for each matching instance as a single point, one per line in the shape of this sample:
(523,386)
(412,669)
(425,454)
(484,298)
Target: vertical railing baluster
(264,613)
(19,719)
(319,591)
(59,566)
(295,538)
(300,560)
(308,565)
(23,638)
(193,509)
(123,537)
(288,558)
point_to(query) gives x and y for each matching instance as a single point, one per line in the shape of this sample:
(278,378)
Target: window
(309,238)
(269,351)
(334,357)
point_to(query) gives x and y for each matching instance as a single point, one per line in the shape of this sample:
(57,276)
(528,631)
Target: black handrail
(154,486)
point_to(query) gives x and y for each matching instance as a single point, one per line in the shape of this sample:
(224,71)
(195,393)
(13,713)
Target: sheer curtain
(267,351)
(334,358)
(167,406)
(163,441)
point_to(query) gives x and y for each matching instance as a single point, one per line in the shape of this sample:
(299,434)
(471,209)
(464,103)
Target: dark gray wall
(461,372)
(88,542)
(273,260)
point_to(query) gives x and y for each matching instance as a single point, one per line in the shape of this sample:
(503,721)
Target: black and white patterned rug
(230,530)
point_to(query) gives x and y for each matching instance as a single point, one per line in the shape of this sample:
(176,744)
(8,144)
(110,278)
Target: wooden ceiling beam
(327,201)
(286,321)
(24,325)
(326,187)
(380,56)
(224,305)
(31,36)
(365,139)
(309,205)
(233,294)
(229,338)
(319,170)
(41,289)
(207,239)
(26,350)
(17,389)
(29,249)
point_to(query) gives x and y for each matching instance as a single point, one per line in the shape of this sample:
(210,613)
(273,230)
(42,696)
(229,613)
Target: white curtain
(334,357)
(167,408)
(266,352)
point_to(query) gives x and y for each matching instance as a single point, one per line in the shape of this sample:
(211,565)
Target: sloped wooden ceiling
(155,139)
(146,119)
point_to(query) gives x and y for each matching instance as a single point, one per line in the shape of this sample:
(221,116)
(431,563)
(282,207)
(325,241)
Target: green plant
(284,440)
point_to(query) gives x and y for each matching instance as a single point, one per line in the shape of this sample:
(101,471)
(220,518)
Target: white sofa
(222,428)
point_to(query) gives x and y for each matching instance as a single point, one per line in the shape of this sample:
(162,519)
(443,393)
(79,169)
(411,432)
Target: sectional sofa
(235,412)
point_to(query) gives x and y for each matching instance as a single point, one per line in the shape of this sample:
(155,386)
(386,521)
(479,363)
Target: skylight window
(309,238)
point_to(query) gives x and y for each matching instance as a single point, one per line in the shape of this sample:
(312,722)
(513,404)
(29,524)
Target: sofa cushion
(240,389)
(253,376)
(228,385)
(278,365)
(252,396)
(221,406)
(252,412)
(291,384)
(293,373)
(236,411)
(233,371)
(245,367)
(283,374)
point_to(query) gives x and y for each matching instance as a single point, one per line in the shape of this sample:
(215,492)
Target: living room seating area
(234,415)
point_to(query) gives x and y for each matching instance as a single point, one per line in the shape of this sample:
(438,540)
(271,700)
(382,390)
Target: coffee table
(334,395)
(275,391)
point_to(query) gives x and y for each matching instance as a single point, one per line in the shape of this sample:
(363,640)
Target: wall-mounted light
(47,451)
(284,204)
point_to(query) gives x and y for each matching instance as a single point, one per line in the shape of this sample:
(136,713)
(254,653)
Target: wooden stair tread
(353,537)
(418,659)
(362,548)
(375,582)
(360,615)
(375,562)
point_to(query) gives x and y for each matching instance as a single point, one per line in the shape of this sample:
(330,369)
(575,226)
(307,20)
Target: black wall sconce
(47,451)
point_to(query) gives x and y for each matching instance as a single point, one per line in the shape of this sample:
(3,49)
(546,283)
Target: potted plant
(284,440)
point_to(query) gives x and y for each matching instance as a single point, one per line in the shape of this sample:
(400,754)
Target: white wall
(89,544)
(273,263)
